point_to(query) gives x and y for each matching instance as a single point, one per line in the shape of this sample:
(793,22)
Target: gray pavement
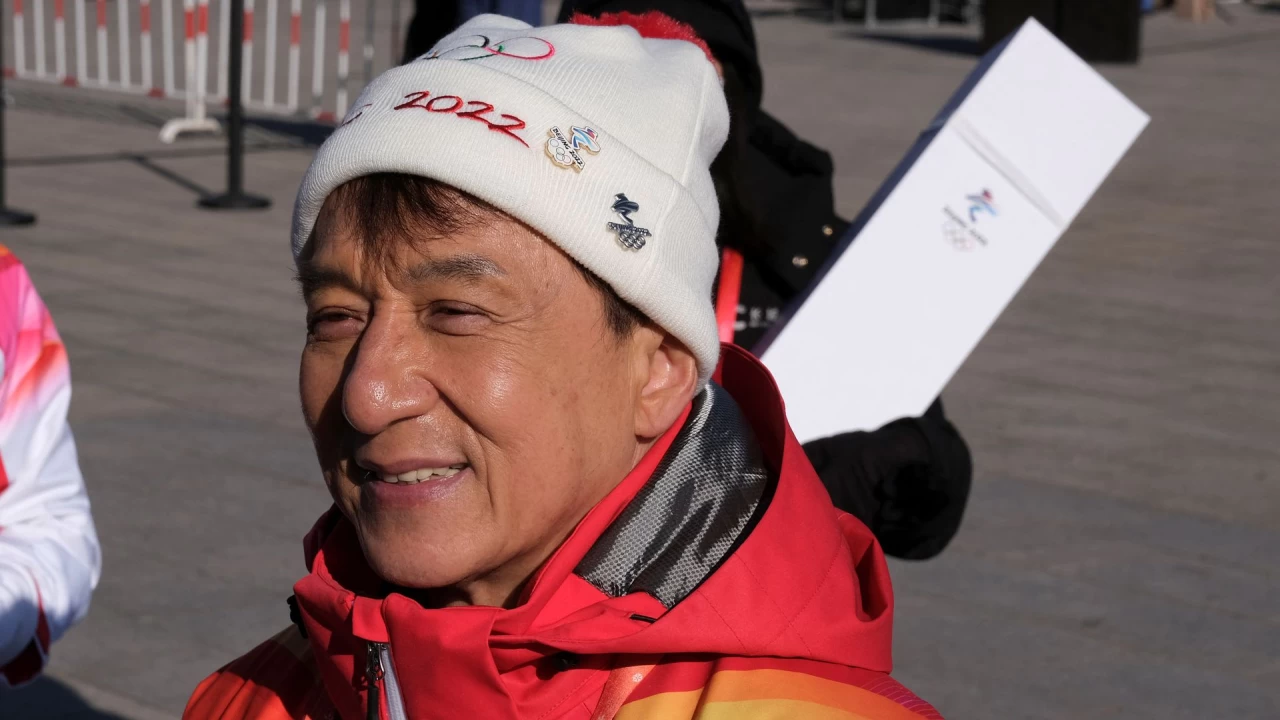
(1119,558)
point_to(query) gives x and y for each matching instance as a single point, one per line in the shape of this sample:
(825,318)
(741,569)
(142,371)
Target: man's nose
(385,383)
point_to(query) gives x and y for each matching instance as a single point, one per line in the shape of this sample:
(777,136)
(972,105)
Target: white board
(950,238)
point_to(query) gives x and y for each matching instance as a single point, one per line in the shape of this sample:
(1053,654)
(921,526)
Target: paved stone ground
(1119,556)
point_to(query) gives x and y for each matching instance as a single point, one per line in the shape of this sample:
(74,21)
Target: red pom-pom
(650,24)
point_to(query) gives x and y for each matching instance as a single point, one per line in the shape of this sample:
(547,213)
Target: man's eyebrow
(467,268)
(312,279)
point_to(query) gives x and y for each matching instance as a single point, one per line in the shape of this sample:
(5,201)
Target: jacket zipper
(373,675)
(381,676)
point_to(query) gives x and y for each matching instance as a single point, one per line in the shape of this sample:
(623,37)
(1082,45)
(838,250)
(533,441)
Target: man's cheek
(344,494)
(320,387)
(316,387)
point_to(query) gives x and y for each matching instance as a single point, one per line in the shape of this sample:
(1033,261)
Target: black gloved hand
(854,466)
(908,481)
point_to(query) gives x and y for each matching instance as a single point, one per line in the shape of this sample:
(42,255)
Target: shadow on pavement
(49,699)
(949,44)
(1211,44)
(173,177)
(307,132)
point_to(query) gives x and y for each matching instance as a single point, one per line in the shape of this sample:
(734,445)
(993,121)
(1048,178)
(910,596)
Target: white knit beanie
(600,139)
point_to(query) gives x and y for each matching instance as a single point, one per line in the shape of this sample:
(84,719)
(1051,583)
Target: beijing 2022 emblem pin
(564,150)
(630,235)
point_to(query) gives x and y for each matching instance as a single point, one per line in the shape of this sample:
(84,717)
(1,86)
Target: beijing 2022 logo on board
(959,229)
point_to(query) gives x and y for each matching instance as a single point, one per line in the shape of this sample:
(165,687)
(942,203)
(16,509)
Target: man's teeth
(417,476)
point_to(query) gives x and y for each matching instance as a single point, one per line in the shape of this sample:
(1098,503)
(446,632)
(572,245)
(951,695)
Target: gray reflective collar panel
(701,501)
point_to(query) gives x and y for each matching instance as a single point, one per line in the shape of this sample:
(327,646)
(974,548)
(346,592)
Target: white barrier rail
(115,51)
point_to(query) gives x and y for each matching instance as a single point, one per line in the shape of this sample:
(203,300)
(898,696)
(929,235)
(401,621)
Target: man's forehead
(323,270)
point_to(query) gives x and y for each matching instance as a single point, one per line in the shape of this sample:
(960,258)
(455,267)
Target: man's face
(467,400)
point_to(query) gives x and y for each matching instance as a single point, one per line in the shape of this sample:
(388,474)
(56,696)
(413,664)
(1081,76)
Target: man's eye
(454,311)
(333,326)
(456,318)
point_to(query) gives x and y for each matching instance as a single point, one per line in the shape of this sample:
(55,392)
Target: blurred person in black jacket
(909,480)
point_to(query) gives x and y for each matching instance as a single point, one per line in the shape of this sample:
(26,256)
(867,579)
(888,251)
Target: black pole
(8,216)
(235,197)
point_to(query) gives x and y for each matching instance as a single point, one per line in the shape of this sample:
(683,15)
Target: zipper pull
(373,675)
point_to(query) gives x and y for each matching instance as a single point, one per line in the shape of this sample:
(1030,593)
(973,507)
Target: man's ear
(666,380)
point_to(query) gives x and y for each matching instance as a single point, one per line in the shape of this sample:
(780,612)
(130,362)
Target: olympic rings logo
(480,47)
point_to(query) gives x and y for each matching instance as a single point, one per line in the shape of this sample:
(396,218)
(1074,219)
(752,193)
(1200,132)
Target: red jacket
(755,600)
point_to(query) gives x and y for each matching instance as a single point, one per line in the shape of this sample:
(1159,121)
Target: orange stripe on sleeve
(776,709)
(768,694)
(732,686)
(662,705)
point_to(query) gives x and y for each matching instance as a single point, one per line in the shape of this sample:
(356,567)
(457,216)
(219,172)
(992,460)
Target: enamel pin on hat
(564,150)
(630,235)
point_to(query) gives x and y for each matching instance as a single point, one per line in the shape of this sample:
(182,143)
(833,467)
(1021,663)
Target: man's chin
(422,564)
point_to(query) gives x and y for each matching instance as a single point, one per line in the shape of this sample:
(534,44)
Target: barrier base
(10,218)
(178,126)
(234,201)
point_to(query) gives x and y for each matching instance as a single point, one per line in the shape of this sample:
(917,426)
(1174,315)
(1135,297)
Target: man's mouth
(413,477)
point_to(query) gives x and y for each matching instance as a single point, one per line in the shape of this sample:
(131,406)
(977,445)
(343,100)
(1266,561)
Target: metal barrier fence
(95,47)
(296,52)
